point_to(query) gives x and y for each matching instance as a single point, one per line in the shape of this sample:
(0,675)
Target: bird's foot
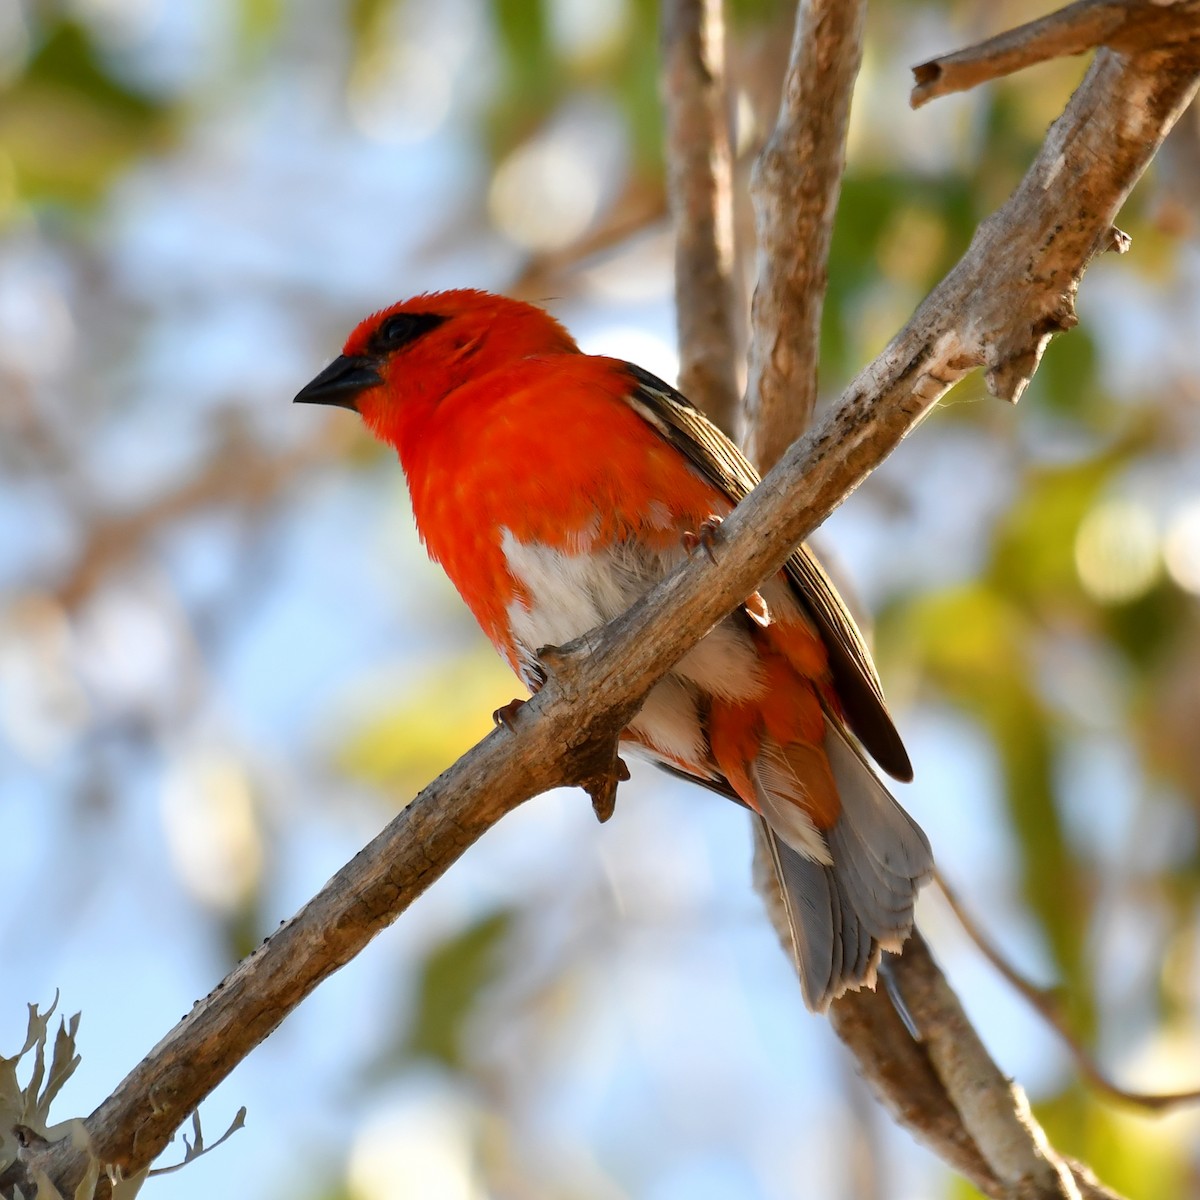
(704,538)
(506,715)
(602,787)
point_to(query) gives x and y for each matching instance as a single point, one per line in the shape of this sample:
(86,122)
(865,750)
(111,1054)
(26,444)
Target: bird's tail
(843,914)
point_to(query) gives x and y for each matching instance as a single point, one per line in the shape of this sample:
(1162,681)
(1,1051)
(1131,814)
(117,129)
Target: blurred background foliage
(224,662)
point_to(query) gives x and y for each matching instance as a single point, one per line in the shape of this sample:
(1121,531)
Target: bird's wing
(726,468)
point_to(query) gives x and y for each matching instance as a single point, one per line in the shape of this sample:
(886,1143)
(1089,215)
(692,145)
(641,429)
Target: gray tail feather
(844,915)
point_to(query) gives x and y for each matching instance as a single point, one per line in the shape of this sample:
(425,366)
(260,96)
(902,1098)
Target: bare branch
(795,187)
(994,1109)
(700,187)
(946,1089)
(1126,25)
(901,1076)
(1014,286)
(136,1122)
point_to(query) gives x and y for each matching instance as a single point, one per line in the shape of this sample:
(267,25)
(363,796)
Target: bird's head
(420,350)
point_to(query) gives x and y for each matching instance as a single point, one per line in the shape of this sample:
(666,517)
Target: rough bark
(796,183)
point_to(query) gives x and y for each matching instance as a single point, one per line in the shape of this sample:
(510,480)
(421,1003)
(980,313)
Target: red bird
(555,488)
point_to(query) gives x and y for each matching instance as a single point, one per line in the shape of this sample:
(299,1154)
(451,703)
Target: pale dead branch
(796,183)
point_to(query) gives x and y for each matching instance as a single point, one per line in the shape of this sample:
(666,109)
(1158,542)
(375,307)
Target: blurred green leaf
(366,21)
(524,35)
(877,216)
(969,638)
(746,13)
(1136,1154)
(637,84)
(1147,628)
(69,123)
(537,78)
(1052,883)
(532,80)
(453,978)
(1066,382)
(441,716)
(1034,551)
(959,1188)
(974,645)
(68,59)
(259,19)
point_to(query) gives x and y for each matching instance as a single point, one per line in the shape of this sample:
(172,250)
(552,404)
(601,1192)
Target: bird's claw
(603,789)
(506,714)
(703,538)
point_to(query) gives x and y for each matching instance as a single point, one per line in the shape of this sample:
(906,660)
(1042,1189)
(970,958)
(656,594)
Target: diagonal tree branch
(969,1109)
(993,1109)
(1014,287)
(796,183)
(909,1077)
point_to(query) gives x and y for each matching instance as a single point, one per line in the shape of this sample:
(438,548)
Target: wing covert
(726,468)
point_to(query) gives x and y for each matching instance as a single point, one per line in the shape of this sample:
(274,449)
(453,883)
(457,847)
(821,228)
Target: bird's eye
(403,327)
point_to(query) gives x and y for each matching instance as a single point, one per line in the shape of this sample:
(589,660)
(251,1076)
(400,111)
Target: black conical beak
(341,382)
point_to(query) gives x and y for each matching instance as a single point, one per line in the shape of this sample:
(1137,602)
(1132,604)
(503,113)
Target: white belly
(566,595)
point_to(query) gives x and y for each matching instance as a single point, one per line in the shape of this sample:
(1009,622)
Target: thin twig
(1125,25)
(700,188)
(1045,1003)
(796,183)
